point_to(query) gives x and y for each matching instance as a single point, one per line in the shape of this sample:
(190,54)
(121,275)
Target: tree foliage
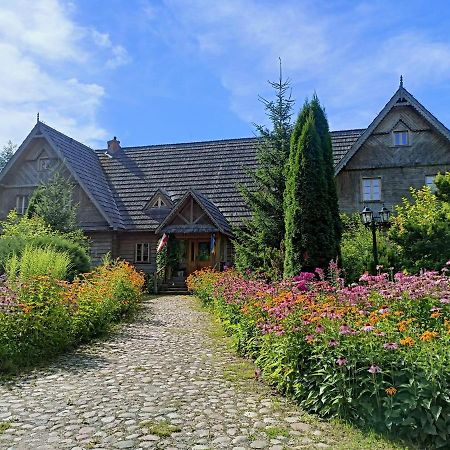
(312,231)
(7,153)
(421,227)
(258,244)
(52,201)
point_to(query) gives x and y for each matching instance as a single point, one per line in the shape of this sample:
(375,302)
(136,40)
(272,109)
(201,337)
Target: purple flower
(333,343)
(383,310)
(309,338)
(320,329)
(374,369)
(367,327)
(341,361)
(391,345)
(345,329)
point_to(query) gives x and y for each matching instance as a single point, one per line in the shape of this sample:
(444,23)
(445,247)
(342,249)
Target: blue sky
(157,71)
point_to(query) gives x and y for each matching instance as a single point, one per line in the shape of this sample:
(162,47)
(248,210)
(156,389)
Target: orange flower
(435,315)
(391,390)
(409,341)
(428,335)
(403,324)
(398,313)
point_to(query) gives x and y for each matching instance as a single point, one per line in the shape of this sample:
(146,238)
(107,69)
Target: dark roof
(342,141)
(211,168)
(86,168)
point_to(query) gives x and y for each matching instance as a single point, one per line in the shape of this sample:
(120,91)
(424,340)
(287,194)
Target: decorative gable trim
(401,98)
(161,195)
(199,200)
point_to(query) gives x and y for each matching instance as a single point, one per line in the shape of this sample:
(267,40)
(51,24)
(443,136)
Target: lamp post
(382,221)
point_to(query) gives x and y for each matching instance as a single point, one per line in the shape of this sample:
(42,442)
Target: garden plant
(374,353)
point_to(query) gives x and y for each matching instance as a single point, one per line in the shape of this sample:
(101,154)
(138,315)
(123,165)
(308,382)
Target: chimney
(113,147)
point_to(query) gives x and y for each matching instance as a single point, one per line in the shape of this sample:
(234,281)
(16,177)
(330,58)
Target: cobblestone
(162,372)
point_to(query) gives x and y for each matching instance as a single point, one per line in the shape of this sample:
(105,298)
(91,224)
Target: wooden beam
(199,217)
(192,210)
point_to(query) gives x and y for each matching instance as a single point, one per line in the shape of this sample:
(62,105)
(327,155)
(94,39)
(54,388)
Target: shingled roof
(86,168)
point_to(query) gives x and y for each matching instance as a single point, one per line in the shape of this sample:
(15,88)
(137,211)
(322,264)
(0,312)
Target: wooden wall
(101,244)
(399,167)
(126,244)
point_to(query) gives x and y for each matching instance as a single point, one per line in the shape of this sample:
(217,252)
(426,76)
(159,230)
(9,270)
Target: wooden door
(199,255)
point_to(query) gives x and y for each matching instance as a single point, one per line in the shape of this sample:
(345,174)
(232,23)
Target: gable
(426,146)
(375,147)
(36,163)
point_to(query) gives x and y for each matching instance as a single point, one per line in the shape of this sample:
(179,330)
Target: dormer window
(401,138)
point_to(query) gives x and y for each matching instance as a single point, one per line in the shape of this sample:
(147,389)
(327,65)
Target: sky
(163,71)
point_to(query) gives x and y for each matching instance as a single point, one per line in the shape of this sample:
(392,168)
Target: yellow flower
(391,390)
(435,315)
(407,341)
(428,335)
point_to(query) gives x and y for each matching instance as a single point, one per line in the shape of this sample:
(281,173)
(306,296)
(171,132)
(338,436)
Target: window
(401,138)
(429,182)
(44,164)
(371,189)
(204,251)
(159,203)
(142,253)
(21,204)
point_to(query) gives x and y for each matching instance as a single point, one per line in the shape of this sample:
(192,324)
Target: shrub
(374,353)
(34,262)
(356,249)
(41,317)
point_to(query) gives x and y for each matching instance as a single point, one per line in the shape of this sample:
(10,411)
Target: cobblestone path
(163,382)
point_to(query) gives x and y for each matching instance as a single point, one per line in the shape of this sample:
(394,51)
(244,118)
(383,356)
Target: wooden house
(130,196)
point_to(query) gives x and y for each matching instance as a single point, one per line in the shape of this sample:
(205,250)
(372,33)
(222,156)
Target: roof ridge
(66,136)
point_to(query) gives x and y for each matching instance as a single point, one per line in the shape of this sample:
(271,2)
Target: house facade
(129,197)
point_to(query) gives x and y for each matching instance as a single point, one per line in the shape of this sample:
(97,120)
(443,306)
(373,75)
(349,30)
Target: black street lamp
(382,221)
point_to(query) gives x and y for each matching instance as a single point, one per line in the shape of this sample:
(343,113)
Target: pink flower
(341,361)
(374,369)
(320,329)
(391,345)
(333,343)
(345,329)
(309,338)
(367,327)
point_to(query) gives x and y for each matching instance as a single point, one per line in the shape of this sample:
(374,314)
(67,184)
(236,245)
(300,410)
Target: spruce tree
(7,153)
(258,243)
(310,228)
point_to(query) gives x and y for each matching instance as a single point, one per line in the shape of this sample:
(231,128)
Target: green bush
(356,249)
(34,262)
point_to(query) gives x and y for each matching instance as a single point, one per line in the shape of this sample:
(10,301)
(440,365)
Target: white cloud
(45,55)
(351,56)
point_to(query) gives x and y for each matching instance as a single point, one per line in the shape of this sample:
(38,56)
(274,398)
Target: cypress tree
(258,243)
(332,198)
(310,229)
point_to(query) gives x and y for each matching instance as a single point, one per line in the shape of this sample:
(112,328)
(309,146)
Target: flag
(162,242)
(212,244)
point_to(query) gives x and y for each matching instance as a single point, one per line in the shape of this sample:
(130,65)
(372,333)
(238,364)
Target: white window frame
(371,197)
(401,143)
(21,204)
(429,182)
(141,250)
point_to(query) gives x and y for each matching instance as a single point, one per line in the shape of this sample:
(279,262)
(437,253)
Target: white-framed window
(21,204)
(401,138)
(44,164)
(142,254)
(371,188)
(429,182)
(159,203)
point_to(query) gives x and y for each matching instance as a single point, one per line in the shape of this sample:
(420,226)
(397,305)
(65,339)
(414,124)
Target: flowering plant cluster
(41,316)
(375,353)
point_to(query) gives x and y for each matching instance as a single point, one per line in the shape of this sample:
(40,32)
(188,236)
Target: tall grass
(35,262)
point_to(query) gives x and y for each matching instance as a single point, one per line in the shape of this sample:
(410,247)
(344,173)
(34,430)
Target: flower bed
(376,353)
(42,317)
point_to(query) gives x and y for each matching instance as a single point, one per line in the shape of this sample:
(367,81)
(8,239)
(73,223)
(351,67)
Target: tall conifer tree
(310,228)
(258,243)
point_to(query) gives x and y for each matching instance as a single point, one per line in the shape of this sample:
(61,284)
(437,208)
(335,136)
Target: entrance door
(199,255)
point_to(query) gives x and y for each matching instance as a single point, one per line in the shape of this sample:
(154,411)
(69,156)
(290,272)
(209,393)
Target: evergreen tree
(310,228)
(52,202)
(7,153)
(258,244)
